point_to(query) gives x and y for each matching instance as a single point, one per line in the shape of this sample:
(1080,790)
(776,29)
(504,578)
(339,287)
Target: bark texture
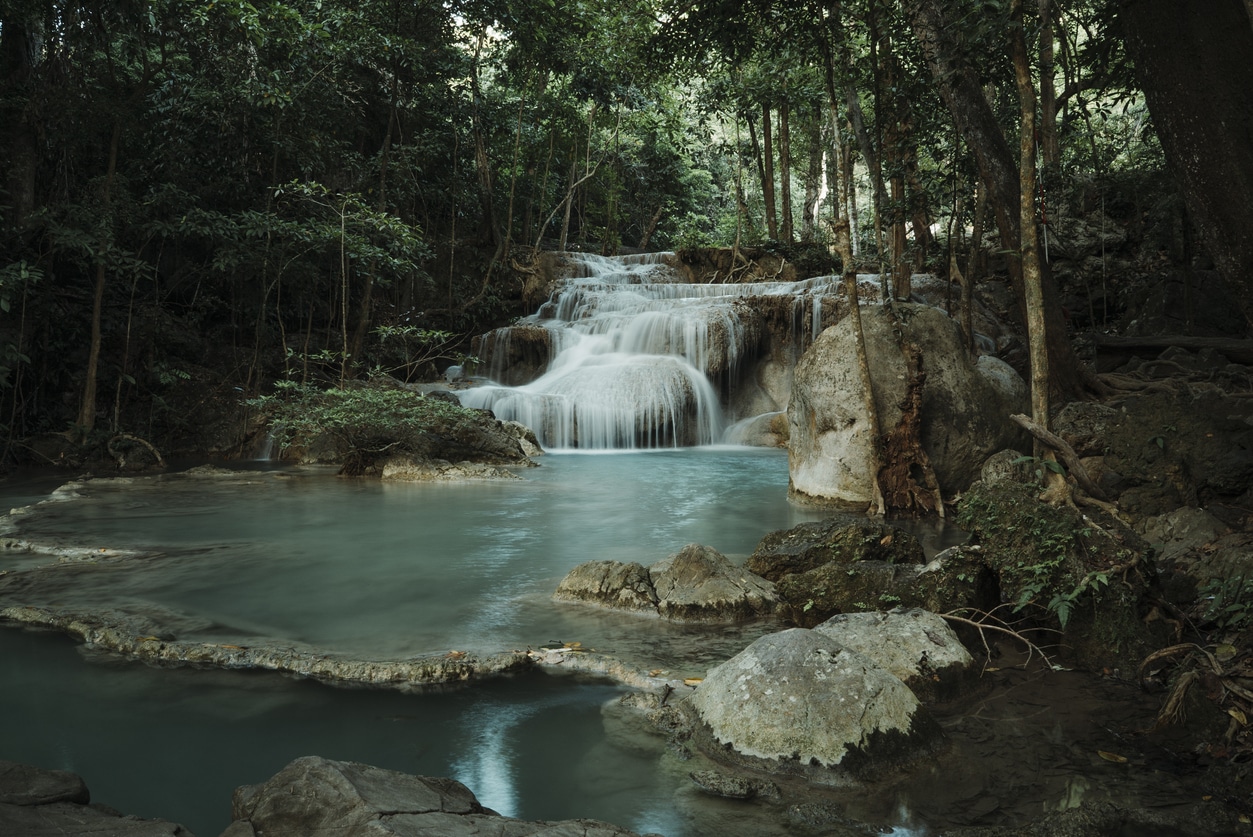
(1193,61)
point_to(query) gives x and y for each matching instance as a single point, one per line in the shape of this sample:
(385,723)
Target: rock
(726,786)
(696,584)
(22,784)
(35,802)
(916,646)
(965,411)
(526,437)
(1085,426)
(155,642)
(1008,466)
(317,797)
(844,538)
(699,584)
(799,703)
(611,584)
(1181,531)
(408,469)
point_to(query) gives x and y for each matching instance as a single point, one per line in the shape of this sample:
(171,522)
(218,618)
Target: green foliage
(1038,547)
(1227,603)
(366,421)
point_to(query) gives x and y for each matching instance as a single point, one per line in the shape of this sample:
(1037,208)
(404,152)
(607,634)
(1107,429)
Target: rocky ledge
(311,797)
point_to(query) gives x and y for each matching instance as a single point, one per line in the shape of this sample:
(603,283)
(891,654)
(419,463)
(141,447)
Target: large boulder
(965,405)
(799,703)
(918,647)
(696,584)
(317,797)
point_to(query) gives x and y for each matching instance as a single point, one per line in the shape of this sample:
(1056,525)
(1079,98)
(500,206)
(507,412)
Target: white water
(639,359)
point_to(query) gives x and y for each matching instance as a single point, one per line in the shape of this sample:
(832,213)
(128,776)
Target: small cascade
(627,355)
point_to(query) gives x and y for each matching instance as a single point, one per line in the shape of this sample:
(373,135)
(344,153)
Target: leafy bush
(367,421)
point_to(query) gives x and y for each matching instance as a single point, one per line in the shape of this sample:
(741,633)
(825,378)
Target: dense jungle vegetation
(201,197)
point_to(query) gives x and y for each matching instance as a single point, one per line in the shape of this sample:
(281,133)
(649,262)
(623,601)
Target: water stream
(633,359)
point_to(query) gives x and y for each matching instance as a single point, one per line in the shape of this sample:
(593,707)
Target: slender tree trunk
(1050,149)
(767,174)
(813,180)
(785,172)
(1037,336)
(489,228)
(20,45)
(963,95)
(87,408)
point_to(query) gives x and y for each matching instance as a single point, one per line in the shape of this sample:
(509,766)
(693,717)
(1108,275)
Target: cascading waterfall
(633,354)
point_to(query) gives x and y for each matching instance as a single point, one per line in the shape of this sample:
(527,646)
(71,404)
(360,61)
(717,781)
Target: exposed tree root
(120,455)
(1065,451)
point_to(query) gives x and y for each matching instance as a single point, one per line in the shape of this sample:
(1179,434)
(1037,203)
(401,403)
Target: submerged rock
(696,584)
(317,797)
(799,703)
(916,646)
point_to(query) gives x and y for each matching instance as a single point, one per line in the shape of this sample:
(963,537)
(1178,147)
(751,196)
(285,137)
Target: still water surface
(382,570)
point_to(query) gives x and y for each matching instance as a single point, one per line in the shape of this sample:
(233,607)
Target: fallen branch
(1065,451)
(1032,648)
(127,437)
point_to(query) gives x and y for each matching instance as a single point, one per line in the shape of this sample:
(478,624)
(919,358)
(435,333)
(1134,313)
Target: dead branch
(1032,648)
(1065,451)
(120,456)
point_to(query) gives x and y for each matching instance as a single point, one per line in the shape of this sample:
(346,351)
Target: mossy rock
(958,581)
(1086,575)
(843,539)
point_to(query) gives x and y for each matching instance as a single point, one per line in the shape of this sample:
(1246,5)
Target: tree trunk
(962,93)
(489,226)
(20,44)
(1033,288)
(1050,149)
(813,180)
(767,174)
(87,409)
(785,172)
(1194,66)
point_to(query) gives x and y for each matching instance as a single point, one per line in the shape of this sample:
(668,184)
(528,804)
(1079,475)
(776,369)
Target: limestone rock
(915,645)
(799,703)
(699,584)
(611,584)
(965,411)
(526,438)
(408,469)
(696,584)
(317,797)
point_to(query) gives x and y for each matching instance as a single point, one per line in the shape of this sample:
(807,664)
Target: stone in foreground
(799,703)
(36,803)
(915,645)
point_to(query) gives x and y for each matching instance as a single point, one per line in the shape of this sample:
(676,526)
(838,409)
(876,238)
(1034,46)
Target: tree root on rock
(121,455)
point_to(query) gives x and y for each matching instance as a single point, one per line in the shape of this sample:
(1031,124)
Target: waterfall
(627,355)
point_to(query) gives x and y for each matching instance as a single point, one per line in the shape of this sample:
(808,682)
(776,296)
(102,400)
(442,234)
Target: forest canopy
(200,197)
